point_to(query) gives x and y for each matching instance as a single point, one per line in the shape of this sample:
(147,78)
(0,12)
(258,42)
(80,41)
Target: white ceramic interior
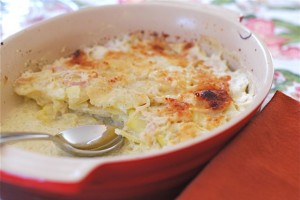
(87,27)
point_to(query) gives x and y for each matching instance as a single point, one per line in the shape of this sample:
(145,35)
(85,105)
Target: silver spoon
(85,141)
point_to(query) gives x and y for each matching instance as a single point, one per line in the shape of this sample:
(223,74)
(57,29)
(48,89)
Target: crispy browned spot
(187,46)
(165,35)
(77,57)
(114,79)
(5,79)
(80,58)
(154,34)
(216,99)
(158,48)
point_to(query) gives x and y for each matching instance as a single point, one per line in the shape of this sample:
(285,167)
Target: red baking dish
(155,175)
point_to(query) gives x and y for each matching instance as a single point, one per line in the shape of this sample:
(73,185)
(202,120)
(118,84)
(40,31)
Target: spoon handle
(17,136)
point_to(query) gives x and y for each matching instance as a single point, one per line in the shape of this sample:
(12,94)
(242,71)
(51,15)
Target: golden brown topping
(208,81)
(178,107)
(200,63)
(165,91)
(93,74)
(115,79)
(178,60)
(115,55)
(24,80)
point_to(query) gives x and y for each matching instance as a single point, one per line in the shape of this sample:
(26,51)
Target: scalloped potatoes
(163,91)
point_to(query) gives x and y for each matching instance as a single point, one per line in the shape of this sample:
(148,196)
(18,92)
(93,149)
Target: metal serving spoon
(85,141)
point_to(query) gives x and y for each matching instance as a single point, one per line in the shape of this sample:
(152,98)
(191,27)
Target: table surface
(276,22)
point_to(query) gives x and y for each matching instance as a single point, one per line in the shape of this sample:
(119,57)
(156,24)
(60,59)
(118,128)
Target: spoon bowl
(83,141)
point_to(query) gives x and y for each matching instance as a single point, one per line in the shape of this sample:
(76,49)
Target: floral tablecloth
(276,22)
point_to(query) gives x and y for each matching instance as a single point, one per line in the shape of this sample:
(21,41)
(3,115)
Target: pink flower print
(291,52)
(261,26)
(277,44)
(278,77)
(265,29)
(297,92)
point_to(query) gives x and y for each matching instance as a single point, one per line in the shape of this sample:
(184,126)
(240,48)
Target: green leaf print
(288,25)
(292,8)
(220,2)
(249,16)
(289,79)
(292,38)
(292,32)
